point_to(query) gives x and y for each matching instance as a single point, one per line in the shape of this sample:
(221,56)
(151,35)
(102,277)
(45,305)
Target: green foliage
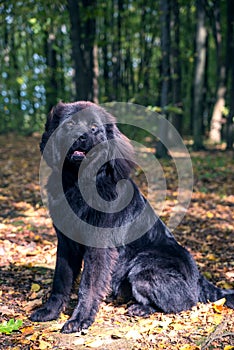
(10,326)
(166,109)
(128,37)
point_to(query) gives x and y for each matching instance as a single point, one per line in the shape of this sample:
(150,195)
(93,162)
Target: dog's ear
(121,153)
(51,153)
(52,122)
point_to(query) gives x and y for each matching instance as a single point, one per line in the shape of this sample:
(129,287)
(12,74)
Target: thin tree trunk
(200,61)
(96,73)
(19,120)
(161,150)
(217,116)
(205,105)
(106,68)
(176,66)
(230,66)
(62,64)
(51,61)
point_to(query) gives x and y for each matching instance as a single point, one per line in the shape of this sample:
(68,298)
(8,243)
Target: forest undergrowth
(28,251)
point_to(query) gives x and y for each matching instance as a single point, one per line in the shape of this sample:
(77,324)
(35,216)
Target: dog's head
(83,131)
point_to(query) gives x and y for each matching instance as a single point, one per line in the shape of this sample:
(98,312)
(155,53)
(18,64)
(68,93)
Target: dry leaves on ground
(28,249)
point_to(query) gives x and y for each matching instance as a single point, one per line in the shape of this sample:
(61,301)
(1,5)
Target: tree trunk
(230,58)
(217,116)
(95,74)
(106,69)
(200,61)
(176,66)
(51,61)
(82,38)
(161,150)
(15,72)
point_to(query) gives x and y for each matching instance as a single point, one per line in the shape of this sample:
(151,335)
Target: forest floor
(28,250)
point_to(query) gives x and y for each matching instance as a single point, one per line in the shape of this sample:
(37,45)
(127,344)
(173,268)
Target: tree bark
(229,64)
(83,38)
(15,72)
(200,61)
(176,66)
(51,61)
(217,116)
(161,150)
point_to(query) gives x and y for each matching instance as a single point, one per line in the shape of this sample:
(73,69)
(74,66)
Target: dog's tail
(209,292)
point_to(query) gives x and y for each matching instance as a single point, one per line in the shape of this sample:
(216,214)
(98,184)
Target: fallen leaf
(95,344)
(35,336)
(211,257)
(35,287)
(27,330)
(220,301)
(189,347)
(218,305)
(33,304)
(133,334)
(43,345)
(5,310)
(79,341)
(177,326)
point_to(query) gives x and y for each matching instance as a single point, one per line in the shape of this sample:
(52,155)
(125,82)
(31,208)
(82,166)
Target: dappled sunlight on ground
(28,251)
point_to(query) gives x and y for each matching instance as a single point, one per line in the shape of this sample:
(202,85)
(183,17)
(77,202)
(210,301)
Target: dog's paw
(73,326)
(44,314)
(140,310)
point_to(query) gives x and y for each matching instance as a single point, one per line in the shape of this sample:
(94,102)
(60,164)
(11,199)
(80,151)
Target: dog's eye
(94,127)
(70,123)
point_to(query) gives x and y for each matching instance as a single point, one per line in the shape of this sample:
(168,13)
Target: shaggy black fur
(154,270)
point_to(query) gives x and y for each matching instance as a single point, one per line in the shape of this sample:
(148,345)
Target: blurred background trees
(173,55)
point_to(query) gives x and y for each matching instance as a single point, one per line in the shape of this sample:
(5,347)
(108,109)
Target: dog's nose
(83,137)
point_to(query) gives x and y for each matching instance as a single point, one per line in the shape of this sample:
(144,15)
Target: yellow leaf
(225,285)
(63,317)
(212,257)
(218,318)
(189,347)
(177,326)
(35,336)
(209,215)
(207,275)
(20,80)
(37,238)
(43,345)
(32,20)
(220,302)
(228,347)
(218,305)
(35,287)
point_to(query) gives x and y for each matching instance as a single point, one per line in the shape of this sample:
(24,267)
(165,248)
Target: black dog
(153,269)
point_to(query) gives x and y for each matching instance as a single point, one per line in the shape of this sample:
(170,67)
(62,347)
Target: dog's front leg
(94,285)
(68,264)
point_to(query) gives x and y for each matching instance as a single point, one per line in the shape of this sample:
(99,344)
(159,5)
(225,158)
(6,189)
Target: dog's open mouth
(78,155)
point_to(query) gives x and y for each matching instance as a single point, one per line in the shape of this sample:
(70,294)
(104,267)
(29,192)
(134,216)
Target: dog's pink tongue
(79,153)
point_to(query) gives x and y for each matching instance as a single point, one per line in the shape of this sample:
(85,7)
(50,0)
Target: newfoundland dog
(106,229)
